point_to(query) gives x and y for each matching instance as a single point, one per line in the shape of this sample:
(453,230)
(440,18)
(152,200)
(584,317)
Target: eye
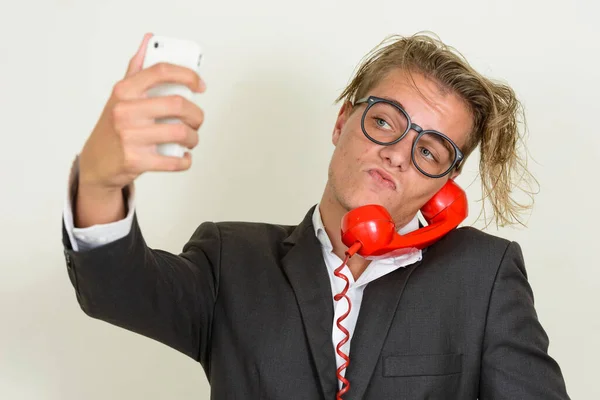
(381,122)
(427,154)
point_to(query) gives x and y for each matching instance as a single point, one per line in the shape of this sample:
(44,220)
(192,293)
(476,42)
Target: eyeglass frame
(372,100)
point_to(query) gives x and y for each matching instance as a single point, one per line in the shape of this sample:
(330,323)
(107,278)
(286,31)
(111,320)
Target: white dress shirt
(88,238)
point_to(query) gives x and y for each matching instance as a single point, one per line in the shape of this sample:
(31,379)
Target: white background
(273,70)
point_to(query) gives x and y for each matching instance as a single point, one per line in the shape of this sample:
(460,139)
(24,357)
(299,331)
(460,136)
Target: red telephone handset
(370,231)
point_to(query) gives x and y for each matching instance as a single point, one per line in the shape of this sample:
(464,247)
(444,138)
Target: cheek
(350,151)
(356,147)
(424,191)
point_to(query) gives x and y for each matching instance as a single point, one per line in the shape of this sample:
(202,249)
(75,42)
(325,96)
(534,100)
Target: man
(256,304)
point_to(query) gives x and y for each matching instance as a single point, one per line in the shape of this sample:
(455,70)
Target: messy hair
(497,113)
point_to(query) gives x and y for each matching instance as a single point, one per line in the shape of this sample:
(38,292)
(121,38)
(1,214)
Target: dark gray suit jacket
(252,303)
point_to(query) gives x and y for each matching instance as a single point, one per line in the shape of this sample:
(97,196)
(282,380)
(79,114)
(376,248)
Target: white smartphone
(185,53)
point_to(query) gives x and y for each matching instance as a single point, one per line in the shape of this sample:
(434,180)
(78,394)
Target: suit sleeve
(515,363)
(169,298)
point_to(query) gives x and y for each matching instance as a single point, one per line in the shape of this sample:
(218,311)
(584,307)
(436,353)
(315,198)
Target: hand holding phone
(124,141)
(185,53)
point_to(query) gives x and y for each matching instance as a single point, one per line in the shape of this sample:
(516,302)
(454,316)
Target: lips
(383,178)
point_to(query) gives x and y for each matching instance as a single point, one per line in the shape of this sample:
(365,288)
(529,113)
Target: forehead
(427,103)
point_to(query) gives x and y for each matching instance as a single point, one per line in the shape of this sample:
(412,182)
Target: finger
(137,61)
(136,85)
(147,110)
(163,133)
(166,163)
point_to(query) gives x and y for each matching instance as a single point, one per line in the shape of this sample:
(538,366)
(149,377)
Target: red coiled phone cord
(343,295)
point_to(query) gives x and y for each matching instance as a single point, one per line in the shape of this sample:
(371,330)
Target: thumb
(137,61)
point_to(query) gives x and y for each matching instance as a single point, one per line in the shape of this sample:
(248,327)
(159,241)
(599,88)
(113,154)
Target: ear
(454,174)
(342,117)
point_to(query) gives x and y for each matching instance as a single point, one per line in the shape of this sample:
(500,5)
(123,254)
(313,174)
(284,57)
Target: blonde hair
(497,113)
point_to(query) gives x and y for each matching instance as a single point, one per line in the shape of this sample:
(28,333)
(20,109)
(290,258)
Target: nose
(397,155)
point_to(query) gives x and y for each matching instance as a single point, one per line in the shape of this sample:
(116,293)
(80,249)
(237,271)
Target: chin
(362,197)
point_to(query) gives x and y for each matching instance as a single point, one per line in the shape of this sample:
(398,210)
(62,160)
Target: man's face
(359,167)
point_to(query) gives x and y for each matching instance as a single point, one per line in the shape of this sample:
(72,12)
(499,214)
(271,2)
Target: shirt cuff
(82,239)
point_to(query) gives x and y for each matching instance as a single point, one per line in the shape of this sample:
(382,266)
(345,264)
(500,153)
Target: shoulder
(472,251)
(254,231)
(244,233)
(474,240)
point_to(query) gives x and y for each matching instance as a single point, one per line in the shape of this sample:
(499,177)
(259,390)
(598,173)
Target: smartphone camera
(156,45)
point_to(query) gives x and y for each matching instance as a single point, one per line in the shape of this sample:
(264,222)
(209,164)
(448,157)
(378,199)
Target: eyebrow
(444,142)
(396,102)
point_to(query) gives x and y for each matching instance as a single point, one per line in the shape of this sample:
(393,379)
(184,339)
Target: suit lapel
(379,304)
(305,268)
